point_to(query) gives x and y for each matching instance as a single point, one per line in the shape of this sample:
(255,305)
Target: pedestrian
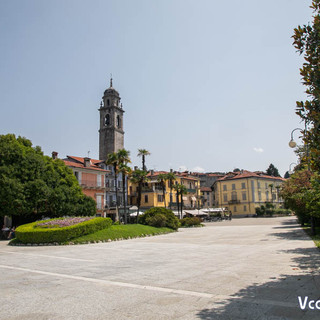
(12,233)
(230,215)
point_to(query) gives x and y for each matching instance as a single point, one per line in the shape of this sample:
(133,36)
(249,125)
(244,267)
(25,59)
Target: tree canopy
(307,42)
(273,171)
(33,185)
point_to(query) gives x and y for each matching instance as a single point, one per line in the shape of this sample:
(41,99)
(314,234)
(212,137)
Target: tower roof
(111,90)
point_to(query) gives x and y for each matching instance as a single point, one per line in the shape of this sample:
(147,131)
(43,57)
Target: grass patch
(116,232)
(315,238)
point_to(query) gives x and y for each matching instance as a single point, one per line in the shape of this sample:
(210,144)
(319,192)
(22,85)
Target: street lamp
(291,171)
(292,143)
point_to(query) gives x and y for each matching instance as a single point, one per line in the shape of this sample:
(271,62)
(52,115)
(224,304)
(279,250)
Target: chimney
(152,172)
(54,155)
(86,162)
(171,170)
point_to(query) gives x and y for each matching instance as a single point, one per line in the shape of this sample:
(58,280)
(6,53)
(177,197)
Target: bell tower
(111,134)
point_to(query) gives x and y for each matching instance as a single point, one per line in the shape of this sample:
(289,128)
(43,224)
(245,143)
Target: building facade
(91,178)
(242,192)
(152,193)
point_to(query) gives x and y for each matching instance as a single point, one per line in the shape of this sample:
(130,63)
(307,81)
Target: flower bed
(35,233)
(64,222)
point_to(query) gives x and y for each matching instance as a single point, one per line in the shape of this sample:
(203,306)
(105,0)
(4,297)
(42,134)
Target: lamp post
(292,143)
(291,171)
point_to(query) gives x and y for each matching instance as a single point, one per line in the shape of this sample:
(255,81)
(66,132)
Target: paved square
(251,268)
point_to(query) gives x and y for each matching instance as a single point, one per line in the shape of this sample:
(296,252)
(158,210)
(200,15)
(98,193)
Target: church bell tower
(111,134)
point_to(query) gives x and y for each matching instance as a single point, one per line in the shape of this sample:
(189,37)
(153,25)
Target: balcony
(234,201)
(89,184)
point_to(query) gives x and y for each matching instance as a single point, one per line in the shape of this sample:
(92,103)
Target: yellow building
(152,193)
(242,192)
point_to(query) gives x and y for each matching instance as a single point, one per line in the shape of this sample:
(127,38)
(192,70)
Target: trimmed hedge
(159,216)
(190,222)
(31,233)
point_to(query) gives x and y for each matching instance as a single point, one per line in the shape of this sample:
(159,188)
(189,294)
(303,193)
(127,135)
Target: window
(118,121)
(99,202)
(259,195)
(274,197)
(99,180)
(146,200)
(234,209)
(119,184)
(130,189)
(224,187)
(243,185)
(225,198)
(160,198)
(107,119)
(108,102)
(244,196)
(244,208)
(233,186)
(233,195)
(266,185)
(258,185)
(76,173)
(267,195)
(107,183)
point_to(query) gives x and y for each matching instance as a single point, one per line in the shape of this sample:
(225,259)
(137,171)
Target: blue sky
(205,84)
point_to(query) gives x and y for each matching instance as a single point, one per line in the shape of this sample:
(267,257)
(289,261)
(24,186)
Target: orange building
(91,178)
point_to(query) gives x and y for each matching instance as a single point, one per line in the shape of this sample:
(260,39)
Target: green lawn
(315,238)
(121,232)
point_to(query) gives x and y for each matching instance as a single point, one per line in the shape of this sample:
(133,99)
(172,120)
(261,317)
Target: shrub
(159,220)
(33,233)
(171,221)
(190,222)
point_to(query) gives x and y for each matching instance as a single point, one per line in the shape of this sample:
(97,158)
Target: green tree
(307,42)
(139,177)
(171,178)
(126,172)
(294,194)
(123,160)
(33,185)
(162,178)
(183,191)
(113,160)
(272,171)
(143,153)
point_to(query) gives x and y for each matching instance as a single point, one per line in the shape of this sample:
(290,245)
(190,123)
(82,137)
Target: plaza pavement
(250,268)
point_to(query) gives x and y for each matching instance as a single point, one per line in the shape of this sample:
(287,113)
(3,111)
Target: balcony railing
(89,184)
(234,201)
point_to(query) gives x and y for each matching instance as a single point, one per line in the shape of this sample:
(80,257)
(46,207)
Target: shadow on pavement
(277,298)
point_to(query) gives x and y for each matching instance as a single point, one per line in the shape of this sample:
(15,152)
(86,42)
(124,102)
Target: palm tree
(171,177)
(162,178)
(143,153)
(139,177)
(126,172)
(123,160)
(114,161)
(176,187)
(183,191)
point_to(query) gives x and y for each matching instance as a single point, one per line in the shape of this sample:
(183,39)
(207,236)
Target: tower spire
(111,80)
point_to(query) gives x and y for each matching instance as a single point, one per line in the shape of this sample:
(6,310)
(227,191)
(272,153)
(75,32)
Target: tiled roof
(248,174)
(205,189)
(78,162)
